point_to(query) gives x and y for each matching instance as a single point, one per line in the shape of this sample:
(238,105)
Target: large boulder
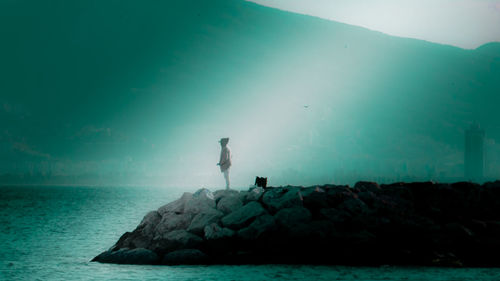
(253,194)
(203,219)
(201,200)
(321,229)
(229,204)
(354,206)
(219,240)
(185,256)
(397,190)
(149,223)
(339,194)
(389,205)
(133,240)
(290,217)
(141,237)
(214,232)
(219,194)
(243,215)
(458,231)
(176,206)
(336,216)
(493,227)
(128,256)
(368,197)
(173,221)
(258,227)
(175,240)
(276,199)
(367,186)
(314,198)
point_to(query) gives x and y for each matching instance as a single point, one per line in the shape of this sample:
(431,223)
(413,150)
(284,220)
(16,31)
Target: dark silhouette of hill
(491,49)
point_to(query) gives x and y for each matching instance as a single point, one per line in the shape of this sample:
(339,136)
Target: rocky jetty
(421,223)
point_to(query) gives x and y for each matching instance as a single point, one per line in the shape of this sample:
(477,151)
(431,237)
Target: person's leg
(226,176)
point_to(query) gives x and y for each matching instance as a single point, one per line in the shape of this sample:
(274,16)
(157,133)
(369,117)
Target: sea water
(52,233)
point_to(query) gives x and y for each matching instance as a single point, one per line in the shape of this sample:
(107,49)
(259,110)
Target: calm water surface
(51,233)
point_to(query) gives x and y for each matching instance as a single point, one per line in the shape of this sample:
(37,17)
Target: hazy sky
(464,23)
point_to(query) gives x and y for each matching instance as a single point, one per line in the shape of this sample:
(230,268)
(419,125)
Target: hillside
(143,92)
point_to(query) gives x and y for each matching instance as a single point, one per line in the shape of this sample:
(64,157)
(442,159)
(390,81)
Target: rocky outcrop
(421,223)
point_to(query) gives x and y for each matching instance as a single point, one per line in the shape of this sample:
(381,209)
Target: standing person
(225,159)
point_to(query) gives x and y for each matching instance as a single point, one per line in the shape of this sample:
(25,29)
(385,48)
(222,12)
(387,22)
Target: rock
(253,194)
(298,232)
(176,206)
(276,199)
(314,198)
(493,227)
(142,235)
(389,205)
(337,195)
(457,230)
(259,226)
(149,223)
(229,204)
(175,240)
(446,260)
(490,192)
(128,256)
(219,194)
(203,193)
(397,190)
(243,215)
(363,237)
(202,200)
(368,186)
(423,193)
(465,187)
(203,219)
(367,197)
(133,240)
(331,188)
(214,232)
(334,215)
(495,184)
(477,226)
(289,217)
(173,221)
(321,229)
(354,206)
(185,256)
(219,240)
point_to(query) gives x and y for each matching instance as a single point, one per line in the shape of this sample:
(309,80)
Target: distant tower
(474,153)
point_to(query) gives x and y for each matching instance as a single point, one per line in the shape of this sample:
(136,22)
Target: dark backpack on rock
(262,182)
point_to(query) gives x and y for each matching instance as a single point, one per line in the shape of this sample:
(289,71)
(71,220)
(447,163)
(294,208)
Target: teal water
(51,233)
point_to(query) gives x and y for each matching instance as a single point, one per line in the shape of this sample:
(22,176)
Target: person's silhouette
(225,159)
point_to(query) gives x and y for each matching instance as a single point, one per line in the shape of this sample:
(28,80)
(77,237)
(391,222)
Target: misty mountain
(142,91)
